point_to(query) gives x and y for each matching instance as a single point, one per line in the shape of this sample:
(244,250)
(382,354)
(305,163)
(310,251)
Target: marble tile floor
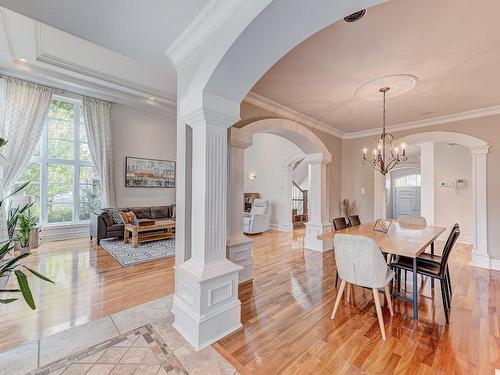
(137,341)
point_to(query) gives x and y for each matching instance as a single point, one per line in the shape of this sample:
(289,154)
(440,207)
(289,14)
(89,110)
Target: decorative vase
(4,279)
(24,249)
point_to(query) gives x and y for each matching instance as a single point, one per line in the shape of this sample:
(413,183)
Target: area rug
(128,255)
(141,351)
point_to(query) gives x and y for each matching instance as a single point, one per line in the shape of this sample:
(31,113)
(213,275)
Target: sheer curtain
(23,110)
(97,118)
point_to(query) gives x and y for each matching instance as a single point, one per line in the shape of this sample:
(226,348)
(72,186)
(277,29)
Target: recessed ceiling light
(20,60)
(152,98)
(356,16)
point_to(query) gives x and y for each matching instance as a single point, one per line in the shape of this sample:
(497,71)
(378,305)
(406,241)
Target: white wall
(265,157)
(453,205)
(141,134)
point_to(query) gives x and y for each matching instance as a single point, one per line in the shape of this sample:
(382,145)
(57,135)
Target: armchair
(257,221)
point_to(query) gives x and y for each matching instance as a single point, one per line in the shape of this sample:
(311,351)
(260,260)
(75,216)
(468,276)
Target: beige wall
(355,176)
(141,134)
(250,112)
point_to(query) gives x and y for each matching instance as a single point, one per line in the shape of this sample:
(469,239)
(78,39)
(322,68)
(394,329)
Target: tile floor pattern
(137,341)
(139,352)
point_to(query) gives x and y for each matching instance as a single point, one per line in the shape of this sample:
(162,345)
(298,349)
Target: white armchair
(257,220)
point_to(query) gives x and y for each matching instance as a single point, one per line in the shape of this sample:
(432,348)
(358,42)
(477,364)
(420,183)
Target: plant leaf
(19,188)
(22,280)
(13,261)
(7,300)
(5,248)
(39,275)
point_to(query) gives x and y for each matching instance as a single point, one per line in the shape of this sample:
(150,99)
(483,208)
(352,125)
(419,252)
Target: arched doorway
(316,155)
(479,151)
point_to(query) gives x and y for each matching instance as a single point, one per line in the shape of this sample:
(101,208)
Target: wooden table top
(405,240)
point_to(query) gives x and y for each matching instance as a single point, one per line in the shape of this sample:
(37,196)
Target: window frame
(44,161)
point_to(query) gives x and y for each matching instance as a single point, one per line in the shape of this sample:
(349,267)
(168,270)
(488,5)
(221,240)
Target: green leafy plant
(13,218)
(26,225)
(3,142)
(9,264)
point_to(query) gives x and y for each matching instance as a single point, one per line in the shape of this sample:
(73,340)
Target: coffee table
(160,230)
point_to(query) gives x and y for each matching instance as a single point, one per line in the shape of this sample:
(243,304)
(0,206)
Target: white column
(239,246)
(318,204)
(285,214)
(427,165)
(205,304)
(480,257)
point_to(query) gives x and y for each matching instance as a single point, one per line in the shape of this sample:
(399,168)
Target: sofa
(102,224)
(257,220)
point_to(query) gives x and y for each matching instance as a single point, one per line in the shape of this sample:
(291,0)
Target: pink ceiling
(452,46)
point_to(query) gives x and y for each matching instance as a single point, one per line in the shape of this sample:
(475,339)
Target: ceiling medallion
(399,84)
(385,156)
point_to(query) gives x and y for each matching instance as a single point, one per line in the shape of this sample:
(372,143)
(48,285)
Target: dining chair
(412,220)
(360,262)
(354,220)
(435,270)
(340,223)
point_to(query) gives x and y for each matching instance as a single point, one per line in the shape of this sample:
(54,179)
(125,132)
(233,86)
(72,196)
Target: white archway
(316,155)
(479,150)
(211,84)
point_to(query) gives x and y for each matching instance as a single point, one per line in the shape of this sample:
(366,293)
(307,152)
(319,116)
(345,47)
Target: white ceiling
(140,29)
(452,46)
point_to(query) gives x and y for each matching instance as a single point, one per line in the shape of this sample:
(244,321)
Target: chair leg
(337,300)
(398,271)
(336,278)
(447,289)
(445,301)
(348,292)
(449,278)
(379,312)
(389,300)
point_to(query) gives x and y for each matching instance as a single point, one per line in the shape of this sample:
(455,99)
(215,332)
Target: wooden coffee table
(160,230)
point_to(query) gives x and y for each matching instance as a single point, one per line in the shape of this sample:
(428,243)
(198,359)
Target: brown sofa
(102,225)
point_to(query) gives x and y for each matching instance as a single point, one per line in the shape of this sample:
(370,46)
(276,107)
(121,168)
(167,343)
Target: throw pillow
(128,217)
(160,212)
(141,212)
(115,214)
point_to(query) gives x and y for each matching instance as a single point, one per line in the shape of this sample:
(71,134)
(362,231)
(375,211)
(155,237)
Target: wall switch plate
(362,190)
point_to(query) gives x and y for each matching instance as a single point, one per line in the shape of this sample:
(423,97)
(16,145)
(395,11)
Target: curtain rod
(56,89)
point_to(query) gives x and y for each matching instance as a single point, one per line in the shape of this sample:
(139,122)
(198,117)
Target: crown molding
(454,117)
(291,114)
(144,92)
(210,18)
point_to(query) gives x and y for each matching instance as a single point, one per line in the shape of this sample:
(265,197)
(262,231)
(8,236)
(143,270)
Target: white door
(407,201)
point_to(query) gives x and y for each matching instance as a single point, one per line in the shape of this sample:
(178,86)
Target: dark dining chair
(354,220)
(434,270)
(338,224)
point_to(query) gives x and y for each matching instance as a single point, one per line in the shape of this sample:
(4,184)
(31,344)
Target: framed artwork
(149,173)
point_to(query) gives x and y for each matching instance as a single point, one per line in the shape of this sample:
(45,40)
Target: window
(408,181)
(63,179)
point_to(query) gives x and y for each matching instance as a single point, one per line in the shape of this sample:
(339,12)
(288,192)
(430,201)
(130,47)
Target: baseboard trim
(495,264)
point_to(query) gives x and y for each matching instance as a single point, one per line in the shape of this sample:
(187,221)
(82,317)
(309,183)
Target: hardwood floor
(285,311)
(287,327)
(90,284)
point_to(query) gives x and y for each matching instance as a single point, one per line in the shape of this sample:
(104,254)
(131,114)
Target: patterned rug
(141,351)
(128,255)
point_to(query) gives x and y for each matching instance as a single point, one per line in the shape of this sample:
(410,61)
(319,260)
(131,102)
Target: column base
(311,240)
(239,251)
(205,304)
(481,260)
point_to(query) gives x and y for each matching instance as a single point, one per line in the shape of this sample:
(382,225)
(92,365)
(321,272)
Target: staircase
(299,201)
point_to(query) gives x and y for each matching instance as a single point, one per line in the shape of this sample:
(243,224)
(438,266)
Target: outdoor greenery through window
(64,183)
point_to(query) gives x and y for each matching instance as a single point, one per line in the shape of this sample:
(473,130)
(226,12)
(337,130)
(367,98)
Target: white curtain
(24,110)
(97,118)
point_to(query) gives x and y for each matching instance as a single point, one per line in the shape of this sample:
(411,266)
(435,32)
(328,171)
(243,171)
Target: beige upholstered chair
(412,220)
(360,262)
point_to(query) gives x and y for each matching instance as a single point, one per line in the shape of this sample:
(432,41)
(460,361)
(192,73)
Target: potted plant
(26,225)
(349,207)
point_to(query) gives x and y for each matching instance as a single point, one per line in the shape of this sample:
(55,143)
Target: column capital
(204,116)
(318,158)
(479,150)
(238,138)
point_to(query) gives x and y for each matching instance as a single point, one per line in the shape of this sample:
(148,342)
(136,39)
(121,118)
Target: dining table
(407,240)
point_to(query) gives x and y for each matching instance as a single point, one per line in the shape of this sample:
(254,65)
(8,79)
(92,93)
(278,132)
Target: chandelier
(385,156)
